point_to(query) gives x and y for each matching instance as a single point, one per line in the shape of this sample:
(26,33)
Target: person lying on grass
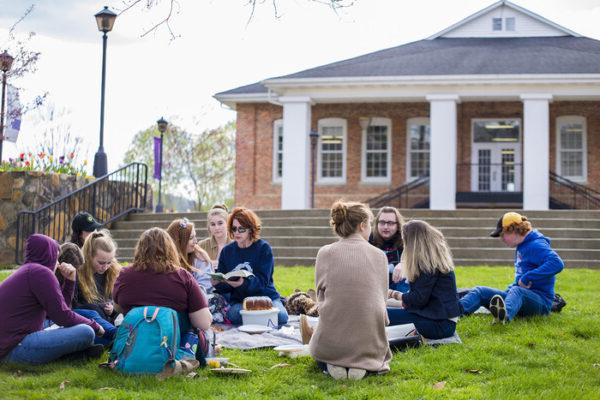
(31,294)
(431,304)
(536,266)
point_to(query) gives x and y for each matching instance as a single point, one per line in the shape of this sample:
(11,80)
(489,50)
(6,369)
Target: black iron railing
(107,198)
(565,193)
(410,195)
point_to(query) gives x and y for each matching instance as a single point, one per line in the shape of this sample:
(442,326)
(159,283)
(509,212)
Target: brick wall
(254,185)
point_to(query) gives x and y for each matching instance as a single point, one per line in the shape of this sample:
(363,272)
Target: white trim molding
(567,120)
(338,123)
(387,123)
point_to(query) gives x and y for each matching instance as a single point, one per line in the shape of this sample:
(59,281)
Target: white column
(442,156)
(536,151)
(295,182)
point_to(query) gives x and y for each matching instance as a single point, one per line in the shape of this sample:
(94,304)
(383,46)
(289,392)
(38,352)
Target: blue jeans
(430,328)
(519,301)
(41,347)
(109,329)
(236,318)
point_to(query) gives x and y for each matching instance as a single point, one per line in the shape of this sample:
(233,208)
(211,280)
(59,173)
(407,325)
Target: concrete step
(559,243)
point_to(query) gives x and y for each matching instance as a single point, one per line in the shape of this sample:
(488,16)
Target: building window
(332,150)
(419,138)
(376,154)
(277,150)
(497,24)
(509,23)
(571,148)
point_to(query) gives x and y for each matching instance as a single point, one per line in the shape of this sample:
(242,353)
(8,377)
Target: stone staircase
(297,235)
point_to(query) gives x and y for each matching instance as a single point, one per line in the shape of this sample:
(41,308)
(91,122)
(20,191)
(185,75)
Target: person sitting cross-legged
(536,266)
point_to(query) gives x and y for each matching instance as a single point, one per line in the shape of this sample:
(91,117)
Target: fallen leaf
(63,384)
(192,375)
(439,385)
(282,365)
(596,365)
(474,371)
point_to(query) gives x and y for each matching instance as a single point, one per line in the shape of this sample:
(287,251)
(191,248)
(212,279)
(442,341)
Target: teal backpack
(146,341)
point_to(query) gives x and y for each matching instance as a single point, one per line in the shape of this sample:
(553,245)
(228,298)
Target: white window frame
(570,119)
(277,124)
(512,26)
(334,122)
(409,122)
(377,121)
(494,21)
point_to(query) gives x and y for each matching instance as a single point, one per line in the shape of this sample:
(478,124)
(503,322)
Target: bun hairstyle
(521,228)
(346,217)
(220,207)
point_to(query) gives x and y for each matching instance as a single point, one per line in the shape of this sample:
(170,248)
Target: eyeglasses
(239,229)
(184,223)
(388,223)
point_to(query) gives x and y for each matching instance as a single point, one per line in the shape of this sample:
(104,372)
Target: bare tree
(175,8)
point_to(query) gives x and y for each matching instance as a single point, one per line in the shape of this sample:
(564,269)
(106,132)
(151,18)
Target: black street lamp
(314,138)
(162,128)
(6,61)
(105,20)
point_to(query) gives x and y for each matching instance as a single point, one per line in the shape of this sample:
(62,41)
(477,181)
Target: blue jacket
(538,264)
(433,296)
(258,259)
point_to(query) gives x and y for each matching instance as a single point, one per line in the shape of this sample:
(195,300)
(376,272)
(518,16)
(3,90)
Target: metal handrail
(108,198)
(580,196)
(398,193)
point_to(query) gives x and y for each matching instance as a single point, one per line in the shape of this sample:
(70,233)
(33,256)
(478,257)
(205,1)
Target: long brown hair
(425,250)
(180,231)
(346,217)
(97,240)
(397,237)
(156,251)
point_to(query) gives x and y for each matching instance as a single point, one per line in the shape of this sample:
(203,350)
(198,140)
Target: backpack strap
(153,315)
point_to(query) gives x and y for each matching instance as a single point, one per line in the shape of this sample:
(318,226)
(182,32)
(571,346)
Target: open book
(240,273)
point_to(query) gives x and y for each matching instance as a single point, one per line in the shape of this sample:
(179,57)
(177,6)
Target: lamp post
(314,138)
(162,128)
(6,61)
(105,20)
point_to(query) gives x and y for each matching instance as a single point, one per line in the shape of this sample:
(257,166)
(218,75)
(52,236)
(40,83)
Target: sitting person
(192,258)
(387,236)
(155,278)
(431,304)
(352,287)
(82,226)
(30,294)
(216,221)
(536,266)
(96,278)
(247,252)
(71,254)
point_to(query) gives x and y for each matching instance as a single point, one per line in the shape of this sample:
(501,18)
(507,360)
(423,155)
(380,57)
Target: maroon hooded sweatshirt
(32,293)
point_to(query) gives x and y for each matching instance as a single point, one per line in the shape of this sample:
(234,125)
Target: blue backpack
(146,341)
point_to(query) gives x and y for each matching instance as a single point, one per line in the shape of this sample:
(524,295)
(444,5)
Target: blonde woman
(95,280)
(431,304)
(351,277)
(216,223)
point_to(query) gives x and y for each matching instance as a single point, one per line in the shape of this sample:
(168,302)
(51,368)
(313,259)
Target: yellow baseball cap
(505,221)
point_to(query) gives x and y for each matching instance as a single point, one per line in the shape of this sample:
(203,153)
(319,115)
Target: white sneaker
(337,372)
(356,374)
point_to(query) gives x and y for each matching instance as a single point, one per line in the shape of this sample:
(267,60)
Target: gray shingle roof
(463,56)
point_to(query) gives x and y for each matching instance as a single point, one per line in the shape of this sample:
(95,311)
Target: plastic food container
(260,317)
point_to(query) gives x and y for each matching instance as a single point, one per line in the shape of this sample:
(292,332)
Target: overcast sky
(217,49)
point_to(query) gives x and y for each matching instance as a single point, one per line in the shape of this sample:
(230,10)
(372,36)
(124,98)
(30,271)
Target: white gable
(504,19)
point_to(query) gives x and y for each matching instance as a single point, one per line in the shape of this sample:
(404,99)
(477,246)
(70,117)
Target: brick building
(486,108)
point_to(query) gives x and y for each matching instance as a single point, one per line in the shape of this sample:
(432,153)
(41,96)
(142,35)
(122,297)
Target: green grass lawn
(538,358)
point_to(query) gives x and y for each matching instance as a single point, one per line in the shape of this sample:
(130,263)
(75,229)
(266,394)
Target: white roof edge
(428,79)
(508,4)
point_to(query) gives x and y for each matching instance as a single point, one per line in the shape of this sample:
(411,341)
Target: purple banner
(157,166)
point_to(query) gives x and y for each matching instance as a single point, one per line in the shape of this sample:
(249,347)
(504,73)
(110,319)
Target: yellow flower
(85,162)
(51,157)
(214,364)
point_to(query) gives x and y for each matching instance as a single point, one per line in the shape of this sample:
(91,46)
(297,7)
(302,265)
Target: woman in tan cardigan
(352,287)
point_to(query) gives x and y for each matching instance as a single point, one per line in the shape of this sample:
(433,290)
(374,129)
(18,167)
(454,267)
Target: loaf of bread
(257,303)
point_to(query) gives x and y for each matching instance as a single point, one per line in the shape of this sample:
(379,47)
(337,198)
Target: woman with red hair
(247,252)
